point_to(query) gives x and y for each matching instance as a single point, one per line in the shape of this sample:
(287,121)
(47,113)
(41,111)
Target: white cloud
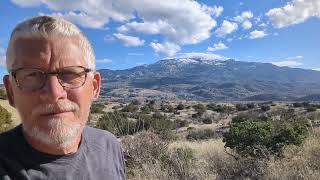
(129,41)
(244,16)
(217,46)
(227,27)
(257,34)
(202,56)
(168,18)
(82,19)
(294,12)
(295,58)
(288,63)
(214,11)
(262,25)
(246,24)
(104,61)
(316,69)
(155,27)
(167,48)
(186,21)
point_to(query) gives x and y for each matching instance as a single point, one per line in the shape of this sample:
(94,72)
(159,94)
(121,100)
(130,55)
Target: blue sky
(128,33)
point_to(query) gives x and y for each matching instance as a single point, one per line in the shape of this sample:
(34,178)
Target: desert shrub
(135,102)
(202,134)
(220,108)
(116,107)
(311,108)
(146,109)
(149,157)
(97,108)
(265,107)
(117,123)
(180,107)
(5,120)
(167,108)
(241,107)
(120,123)
(251,105)
(181,123)
(200,108)
(301,162)
(229,168)
(260,138)
(144,147)
(130,108)
(179,163)
(190,128)
(3,94)
(207,121)
(296,105)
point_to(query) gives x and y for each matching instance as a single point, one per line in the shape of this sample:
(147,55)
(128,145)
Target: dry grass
(209,160)
(15,116)
(201,148)
(300,163)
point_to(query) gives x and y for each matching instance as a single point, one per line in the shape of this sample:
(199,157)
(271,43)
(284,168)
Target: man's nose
(53,91)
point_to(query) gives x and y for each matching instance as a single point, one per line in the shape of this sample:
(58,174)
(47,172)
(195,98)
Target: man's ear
(96,85)
(8,86)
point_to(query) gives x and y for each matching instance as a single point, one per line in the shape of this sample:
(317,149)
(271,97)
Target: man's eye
(33,74)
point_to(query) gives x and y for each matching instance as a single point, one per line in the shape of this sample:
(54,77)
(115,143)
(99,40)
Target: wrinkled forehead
(45,52)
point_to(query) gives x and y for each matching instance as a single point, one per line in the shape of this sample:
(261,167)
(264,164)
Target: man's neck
(54,149)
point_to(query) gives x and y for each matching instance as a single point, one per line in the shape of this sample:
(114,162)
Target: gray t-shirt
(99,157)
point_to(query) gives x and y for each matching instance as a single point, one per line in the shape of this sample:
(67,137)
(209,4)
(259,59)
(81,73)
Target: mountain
(209,79)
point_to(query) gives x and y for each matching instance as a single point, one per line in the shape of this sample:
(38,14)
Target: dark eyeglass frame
(13,73)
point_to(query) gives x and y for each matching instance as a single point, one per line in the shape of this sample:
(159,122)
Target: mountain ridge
(211,79)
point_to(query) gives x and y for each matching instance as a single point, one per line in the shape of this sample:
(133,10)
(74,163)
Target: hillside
(209,79)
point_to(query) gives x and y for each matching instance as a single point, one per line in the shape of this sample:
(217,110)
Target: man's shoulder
(8,136)
(94,135)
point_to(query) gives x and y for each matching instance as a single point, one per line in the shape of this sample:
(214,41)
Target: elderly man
(52,82)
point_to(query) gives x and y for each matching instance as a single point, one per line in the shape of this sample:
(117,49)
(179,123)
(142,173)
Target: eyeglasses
(33,79)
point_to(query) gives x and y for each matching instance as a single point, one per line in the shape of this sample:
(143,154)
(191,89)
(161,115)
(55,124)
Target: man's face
(53,114)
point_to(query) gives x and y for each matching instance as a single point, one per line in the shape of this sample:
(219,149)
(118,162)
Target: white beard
(61,135)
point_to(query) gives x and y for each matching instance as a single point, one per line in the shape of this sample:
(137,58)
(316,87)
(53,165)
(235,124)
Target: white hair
(45,27)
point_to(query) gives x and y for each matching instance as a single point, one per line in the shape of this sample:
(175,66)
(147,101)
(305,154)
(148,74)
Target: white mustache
(60,106)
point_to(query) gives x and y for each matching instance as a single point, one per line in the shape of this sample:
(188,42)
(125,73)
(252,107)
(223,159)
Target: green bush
(265,107)
(120,124)
(207,121)
(220,108)
(261,137)
(181,123)
(130,108)
(251,105)
(180,107)
(117,123)
(200,108)
(241,107)
(146,109)
(97,108)
(311,108)
(5,120)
